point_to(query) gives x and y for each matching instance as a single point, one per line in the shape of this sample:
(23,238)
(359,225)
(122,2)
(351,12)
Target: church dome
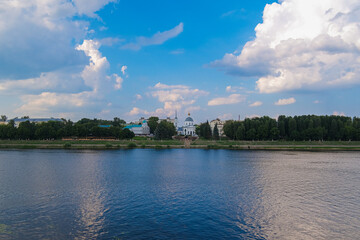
(189,119)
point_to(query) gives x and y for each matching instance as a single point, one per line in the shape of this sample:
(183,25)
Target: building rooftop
(189,119)
(132,126)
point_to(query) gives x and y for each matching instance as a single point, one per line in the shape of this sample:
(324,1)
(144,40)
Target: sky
(212,59)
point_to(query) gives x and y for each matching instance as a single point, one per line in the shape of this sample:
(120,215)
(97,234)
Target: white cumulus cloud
(138,97)
(302,44)
(225,116)
(38,36)
(123,69)
(285,101)
(136,111)
(256,104)
(173,97)
(336,113)
(94,76)
(232,99)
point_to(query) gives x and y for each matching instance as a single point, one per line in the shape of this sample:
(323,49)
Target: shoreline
(202,144)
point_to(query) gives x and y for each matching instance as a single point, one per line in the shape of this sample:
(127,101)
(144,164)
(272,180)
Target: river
(179,194)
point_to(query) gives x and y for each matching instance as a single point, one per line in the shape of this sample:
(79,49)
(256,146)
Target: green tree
(126,134)
(251,134)
(293,133)
(274,133)
(216,133)
(164,130)
(117,122)
(153,123)
(26,130)
(333,131)
(205,130)
(240,132)
(3,118)
(229,129)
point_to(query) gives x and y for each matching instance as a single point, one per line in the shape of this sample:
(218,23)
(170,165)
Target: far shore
(175,144)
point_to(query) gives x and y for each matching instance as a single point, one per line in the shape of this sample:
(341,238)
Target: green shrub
(158,147)
(67,145)
(108,145)
(131,145)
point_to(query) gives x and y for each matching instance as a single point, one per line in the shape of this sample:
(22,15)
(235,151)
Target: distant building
(17,121)
(189,128)
(139,129)
(170,120)
(220,126)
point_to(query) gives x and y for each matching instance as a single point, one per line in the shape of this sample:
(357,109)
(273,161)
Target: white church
(188,129)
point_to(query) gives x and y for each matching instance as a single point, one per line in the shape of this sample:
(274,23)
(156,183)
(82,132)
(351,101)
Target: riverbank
(199,144)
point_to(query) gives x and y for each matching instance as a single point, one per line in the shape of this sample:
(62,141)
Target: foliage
(205,130)
(67,145)
(299,128)
(153,123)
(126,134)
(164,130)
(216,133)
(51,130)
(131,145)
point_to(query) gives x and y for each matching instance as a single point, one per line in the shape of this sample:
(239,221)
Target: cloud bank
(174,97)
(94,77)
(301,44)
(38,36)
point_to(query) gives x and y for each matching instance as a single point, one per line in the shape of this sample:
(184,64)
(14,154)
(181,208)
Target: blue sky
(135,58)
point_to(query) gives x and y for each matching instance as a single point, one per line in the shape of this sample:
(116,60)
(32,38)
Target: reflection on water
(91,189)
(178,194)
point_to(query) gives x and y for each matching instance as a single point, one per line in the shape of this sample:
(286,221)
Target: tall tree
(216,133)
(333,130)
(205,130)
(153,123)
(164,130)
(240,132)
(117,122)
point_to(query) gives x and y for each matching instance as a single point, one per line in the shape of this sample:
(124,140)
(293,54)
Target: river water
(179,194)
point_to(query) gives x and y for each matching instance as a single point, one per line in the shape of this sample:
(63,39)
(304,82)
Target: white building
(189,128)
(220,126)
(139,129)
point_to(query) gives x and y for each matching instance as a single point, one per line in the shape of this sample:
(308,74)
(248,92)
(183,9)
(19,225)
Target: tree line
(84,128)
(299,128)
